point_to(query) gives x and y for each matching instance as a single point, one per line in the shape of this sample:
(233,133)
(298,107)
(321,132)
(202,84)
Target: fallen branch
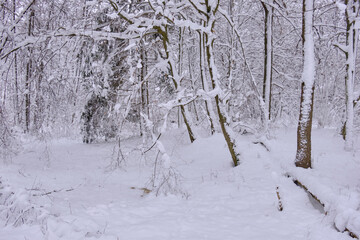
(144,189)
(262,144)
(153,144)
(54,191)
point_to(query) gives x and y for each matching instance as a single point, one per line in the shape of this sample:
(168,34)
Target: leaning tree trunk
(230,140)
(303,154)
(176,81)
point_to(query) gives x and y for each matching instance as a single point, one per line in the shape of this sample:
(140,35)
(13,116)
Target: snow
(308,75)
(350,75)
(268,69)
(332,181)
(216,201)
(341,6)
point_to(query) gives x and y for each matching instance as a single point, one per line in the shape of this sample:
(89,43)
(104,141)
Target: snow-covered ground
(64,189)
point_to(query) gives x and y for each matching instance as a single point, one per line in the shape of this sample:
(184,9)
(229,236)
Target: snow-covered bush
(8,143)
(97,122)
(17,208)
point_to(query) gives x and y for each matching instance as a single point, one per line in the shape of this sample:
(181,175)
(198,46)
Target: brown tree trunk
(222,119)
(209,43)
(38,118)
(16,86)
(303,153)
(27,96)
(201,47)
(28,76)
(143,90)
(171,67)
(268,58)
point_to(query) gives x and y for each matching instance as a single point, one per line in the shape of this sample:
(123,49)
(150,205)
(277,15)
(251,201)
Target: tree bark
(143,89)
(268,58)
(16,85)
(176,84)
(352,10)
(28,75)
(303,153)
(208,105)
(230,141)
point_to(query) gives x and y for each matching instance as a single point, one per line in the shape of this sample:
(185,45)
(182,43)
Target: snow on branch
(17,208)
(165,178)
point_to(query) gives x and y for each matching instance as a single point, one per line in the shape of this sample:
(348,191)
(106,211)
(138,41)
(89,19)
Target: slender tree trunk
(38,113)
(230,140)
(143,90)
(27,96)
(352,11)
(192,83)
(16,85)
(231,61)
(268,56)
(303,154)
(208,105)
(28,76)
(176,82)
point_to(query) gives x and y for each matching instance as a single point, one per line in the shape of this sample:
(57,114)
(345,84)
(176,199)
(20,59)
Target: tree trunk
(303,154)
(352,10)
(192,84)
(143,89)
(268,56)
(208,105)
(176,82)
(38,113)
(230,140)
(28,75)
(27,96)
(16,85)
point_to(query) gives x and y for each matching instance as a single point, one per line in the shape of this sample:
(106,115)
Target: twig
(152,144)
(262,144)
(280,205)
(54,191)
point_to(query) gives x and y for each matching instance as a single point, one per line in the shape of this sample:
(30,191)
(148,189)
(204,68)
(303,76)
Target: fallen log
(307,190)
(298,183)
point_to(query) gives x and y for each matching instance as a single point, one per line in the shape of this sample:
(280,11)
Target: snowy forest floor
(64,189)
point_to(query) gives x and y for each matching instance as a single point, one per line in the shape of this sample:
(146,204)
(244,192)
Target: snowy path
(220,202)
